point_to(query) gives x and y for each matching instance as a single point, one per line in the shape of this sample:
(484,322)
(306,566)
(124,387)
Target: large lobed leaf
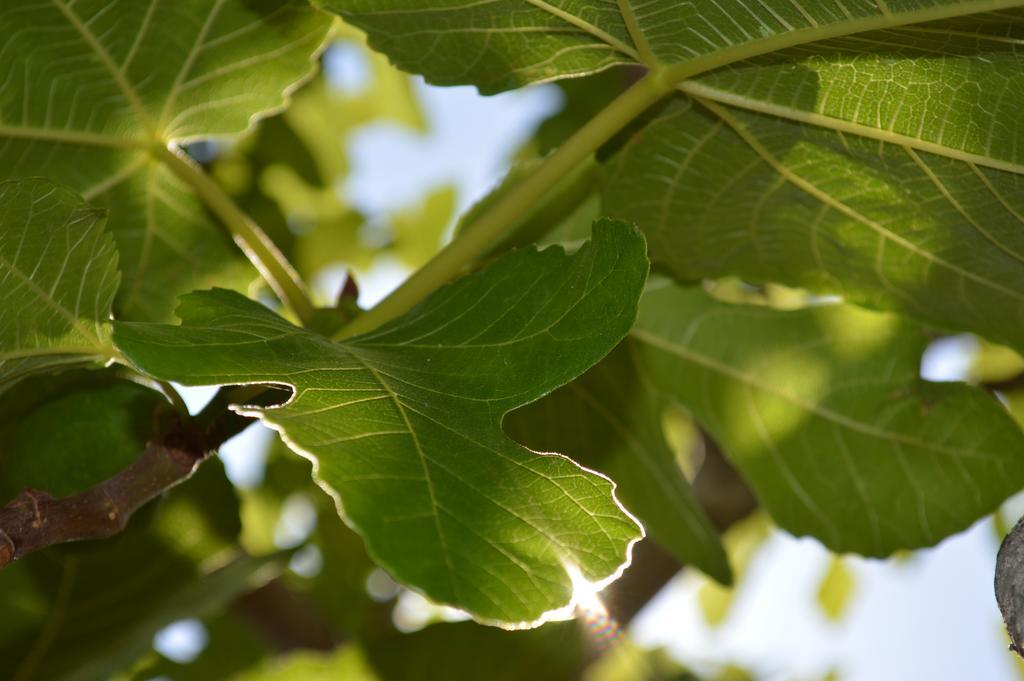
(504,44)
(90,87)
(883,166)
(58,274)
(496,45)
(825,414)
(928,224)
(404,424)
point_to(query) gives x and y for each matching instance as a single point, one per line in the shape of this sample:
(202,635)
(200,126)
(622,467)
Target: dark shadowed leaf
(63,434)
(465,650)
(825,414)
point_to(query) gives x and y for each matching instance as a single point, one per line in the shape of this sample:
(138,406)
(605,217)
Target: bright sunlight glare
(584,593)
(601,626)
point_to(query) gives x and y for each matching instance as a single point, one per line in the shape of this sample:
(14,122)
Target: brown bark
(285,619)
(726,499)
(35,520)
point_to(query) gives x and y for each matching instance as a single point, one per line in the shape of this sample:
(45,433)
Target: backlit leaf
(503,44)
(58,274)
(773,200)
(403,424)
(883,166)
(90,87)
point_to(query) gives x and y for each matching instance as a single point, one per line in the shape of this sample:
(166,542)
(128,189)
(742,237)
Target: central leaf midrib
(63,136)
(636,33)
(386,387)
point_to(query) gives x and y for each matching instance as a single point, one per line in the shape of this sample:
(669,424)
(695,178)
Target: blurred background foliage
(290,172)
(263,580)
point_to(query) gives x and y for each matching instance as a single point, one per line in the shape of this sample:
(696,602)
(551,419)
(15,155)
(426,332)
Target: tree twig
(257,246)
(35,519)
(287,620)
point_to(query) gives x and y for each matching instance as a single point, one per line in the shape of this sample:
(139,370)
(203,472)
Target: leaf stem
(478,237)
(256,245)
(174,396)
